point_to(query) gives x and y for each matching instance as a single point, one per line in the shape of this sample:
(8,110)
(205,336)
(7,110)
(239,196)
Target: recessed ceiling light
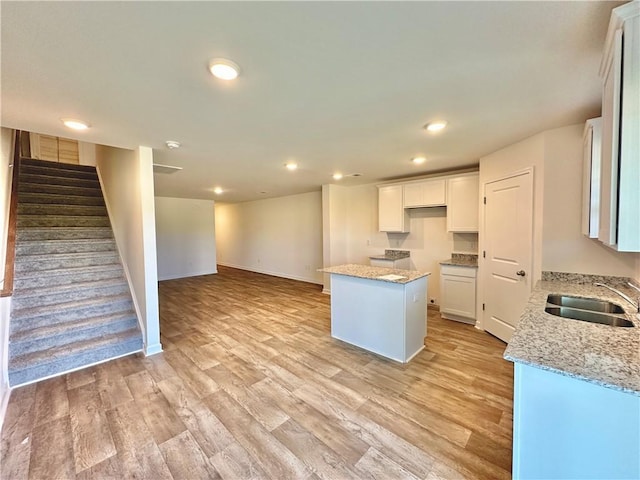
(435,126)
(337,176)
(224,69)
(218,190)
(418,160)
(172,144)
(75,124)
(291,166)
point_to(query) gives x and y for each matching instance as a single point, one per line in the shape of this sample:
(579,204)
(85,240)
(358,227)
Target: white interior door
(508,228)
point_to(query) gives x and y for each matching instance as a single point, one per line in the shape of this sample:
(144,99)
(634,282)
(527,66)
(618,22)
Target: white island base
(384,317)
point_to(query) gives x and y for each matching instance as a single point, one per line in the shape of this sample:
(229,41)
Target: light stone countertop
(601,354)
(461,260)
(374,273)
(392,255)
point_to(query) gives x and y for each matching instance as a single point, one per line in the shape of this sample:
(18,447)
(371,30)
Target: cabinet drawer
(458,271)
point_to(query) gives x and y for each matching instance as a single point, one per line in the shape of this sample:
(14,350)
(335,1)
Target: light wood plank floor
(251,385)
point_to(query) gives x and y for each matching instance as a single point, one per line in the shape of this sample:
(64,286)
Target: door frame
(481,238)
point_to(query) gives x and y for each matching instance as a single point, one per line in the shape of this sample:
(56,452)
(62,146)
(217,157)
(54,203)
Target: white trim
(5,388)
(4,403)
(175,276)
(75,369)
(273,274)
(480,290)
(326,291)
(123,263)
(152,349)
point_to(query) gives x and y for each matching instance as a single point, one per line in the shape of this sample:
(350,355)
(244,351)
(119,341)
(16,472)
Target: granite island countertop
(461,260)
(600,354)
(375,273)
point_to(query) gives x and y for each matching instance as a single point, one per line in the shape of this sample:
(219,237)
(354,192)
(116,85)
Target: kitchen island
(577,387)
(382,310)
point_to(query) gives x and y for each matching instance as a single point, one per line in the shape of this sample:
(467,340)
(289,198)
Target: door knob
(521,273)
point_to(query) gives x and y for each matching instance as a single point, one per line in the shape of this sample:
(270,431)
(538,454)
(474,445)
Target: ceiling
(333,86)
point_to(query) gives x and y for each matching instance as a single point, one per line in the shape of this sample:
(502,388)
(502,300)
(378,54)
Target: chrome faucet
(636,305)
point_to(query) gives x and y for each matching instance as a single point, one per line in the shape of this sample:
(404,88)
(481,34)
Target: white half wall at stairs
(127,182)
(186,237)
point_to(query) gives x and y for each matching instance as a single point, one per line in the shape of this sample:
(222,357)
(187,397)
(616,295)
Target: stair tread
(35,188)
(45,178)
(68,271)
(64,229)
(60,241)
(30,312)
(52,290)
(51,355)
(58,328)
(36,162)
(40,256)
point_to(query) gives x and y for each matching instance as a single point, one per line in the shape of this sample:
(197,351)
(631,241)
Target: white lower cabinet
(458,292)
(565,427)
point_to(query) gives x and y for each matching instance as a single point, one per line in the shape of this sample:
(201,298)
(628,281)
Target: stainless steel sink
(591,304)
(586,316)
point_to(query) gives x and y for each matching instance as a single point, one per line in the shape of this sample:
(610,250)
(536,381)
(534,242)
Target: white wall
(6,154)
(127,180)
(186,237)
(87,153)
(564,248)
(428,241)
(526,154)
(277,236)
(335,222)
(556,156)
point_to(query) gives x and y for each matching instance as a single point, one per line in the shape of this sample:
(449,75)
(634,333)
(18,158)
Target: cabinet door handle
(521,273)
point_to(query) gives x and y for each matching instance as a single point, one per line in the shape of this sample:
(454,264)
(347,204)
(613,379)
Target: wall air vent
(157,168)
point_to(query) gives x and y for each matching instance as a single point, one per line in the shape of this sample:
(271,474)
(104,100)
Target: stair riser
(66,337)
(66,279)
(63,233)
(30,264)
(25,187)
(61,221)
(18,302)
(44,198)
(68,182)
(44,247)
(19,324)
(25,375)
(64,210)
(57,172)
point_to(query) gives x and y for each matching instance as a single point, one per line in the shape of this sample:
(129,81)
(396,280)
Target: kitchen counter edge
(600,354)
(374,273)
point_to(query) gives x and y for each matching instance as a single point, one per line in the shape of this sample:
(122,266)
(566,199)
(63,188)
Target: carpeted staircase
(71,303)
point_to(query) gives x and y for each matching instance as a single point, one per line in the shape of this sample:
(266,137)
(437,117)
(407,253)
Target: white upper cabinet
(430,193)
(462,203)
(620,173)
(391,214)
(592,147)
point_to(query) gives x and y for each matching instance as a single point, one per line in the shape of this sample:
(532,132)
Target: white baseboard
(326,291)
(272,273)
(174,276)
(152,349)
